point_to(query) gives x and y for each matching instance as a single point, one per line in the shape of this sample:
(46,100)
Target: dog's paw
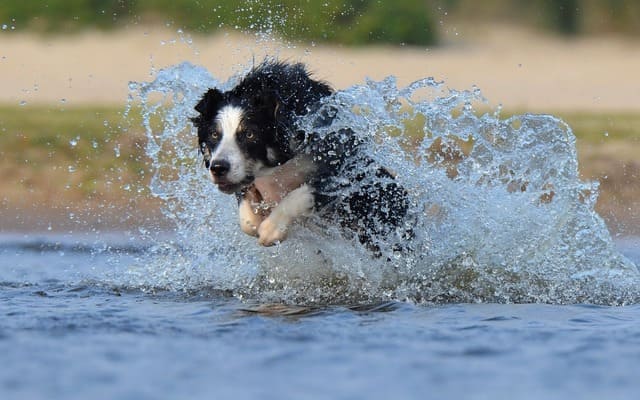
(271,231)
(297,204)
(249,228)
(248,218)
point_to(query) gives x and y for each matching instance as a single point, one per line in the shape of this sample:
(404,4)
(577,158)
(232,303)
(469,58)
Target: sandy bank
(515,68)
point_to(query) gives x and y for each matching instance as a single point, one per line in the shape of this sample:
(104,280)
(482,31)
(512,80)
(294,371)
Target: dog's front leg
(250,218)
(296,204)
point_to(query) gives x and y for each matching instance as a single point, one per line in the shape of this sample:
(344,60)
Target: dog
(253,148)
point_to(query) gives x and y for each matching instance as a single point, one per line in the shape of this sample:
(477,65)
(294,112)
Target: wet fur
(250,144)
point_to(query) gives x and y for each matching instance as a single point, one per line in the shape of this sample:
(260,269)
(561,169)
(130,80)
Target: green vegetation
(88,158)
(99,140)
(351,22)
(60,154)
(65,134)
(567,17)
(596,128)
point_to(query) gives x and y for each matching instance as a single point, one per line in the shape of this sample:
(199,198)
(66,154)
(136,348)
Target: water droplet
(23,103)
(74,142)
(117,150)
(481,178)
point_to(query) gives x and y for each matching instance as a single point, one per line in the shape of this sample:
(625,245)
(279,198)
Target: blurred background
(70,157)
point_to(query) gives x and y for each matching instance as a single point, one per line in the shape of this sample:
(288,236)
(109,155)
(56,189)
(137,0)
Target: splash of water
(498,209)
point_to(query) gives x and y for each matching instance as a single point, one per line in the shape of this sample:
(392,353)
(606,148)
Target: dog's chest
(283,179)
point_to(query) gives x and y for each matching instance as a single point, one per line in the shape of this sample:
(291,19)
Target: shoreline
(613,164)
(56,220)
(518,69)
(513,67)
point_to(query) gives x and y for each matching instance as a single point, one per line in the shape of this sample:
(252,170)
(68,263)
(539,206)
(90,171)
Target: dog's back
(356,191)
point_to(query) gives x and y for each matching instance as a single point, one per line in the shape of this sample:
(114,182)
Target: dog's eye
(248,134)
(215,134)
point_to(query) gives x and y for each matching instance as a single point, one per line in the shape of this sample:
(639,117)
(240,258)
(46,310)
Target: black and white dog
(253,148)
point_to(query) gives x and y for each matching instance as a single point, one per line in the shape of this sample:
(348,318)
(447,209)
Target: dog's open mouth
(228,187)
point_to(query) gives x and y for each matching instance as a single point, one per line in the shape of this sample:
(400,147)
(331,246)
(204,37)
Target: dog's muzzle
(219,168)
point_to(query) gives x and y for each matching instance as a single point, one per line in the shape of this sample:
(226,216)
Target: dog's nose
(220,167)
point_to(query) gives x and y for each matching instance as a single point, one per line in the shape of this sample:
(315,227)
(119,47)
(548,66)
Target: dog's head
(239,137)
(246,131)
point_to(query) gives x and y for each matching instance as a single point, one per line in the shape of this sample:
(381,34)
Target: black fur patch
(272,97)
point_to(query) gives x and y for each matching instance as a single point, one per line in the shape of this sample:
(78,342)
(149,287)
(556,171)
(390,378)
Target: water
(513,287)
(68,332)
(497,206)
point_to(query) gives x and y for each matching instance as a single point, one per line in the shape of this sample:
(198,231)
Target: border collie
(253,148)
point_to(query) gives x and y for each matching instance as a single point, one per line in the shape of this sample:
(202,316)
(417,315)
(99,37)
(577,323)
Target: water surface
(512,288)
(68,331)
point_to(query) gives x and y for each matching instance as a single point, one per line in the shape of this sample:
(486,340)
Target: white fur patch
(296,204)
(249,220)
(228,121)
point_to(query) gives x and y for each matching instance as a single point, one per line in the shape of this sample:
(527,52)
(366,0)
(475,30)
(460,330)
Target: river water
(512,288)
(68,330)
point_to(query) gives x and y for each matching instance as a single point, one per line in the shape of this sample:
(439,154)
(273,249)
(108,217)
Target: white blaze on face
(228,121)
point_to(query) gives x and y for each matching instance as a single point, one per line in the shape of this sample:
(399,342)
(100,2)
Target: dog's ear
(208,105)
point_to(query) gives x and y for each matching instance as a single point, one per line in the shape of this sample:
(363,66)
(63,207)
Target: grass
(338,21)
(346,22)
(58,156)
(594,128)
(89,138)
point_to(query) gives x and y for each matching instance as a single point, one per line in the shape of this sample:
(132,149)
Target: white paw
(271,231)
(296,204)
(249,228)
(249,220)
